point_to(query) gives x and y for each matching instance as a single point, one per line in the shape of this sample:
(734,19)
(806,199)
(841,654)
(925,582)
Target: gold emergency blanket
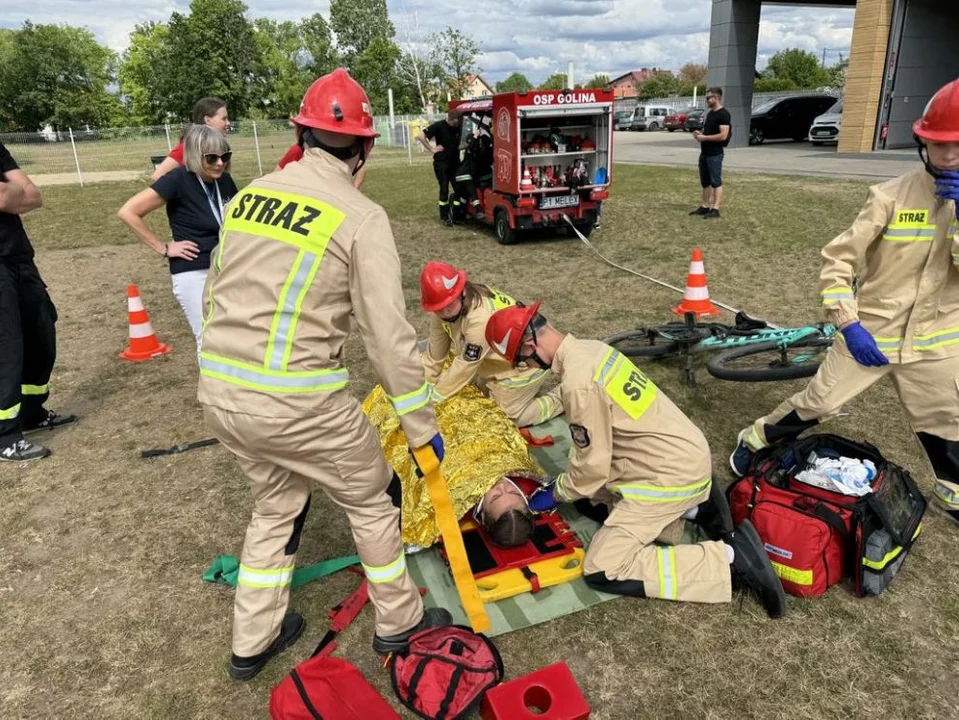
(481,443)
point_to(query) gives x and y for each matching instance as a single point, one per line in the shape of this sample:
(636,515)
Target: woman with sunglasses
(194,194)
(209,111)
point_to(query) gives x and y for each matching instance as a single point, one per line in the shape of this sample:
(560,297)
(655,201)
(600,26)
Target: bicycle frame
(737,338)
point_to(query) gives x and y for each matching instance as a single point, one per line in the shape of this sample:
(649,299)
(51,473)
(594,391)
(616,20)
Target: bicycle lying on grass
(752,351)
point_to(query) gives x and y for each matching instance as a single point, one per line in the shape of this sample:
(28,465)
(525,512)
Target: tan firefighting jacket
(300,250)
(902,252)
(629,439)
(473,357)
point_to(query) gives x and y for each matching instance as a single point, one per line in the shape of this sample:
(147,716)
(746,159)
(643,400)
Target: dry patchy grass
(101,552)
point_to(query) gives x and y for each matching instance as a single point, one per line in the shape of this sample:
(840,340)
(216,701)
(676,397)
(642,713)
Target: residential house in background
(627,86)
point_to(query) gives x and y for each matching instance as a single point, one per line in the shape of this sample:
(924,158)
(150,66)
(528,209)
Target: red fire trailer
(551,155)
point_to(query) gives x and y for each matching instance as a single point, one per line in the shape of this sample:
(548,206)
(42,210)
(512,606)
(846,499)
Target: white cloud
(535,37)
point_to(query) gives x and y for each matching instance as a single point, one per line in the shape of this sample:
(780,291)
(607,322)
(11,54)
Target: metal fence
(680,102)
(85,155)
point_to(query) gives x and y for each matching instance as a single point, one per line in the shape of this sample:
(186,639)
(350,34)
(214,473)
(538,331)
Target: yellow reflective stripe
(955,258)
(889,556)
(34,389)
(385,573)
(269,578)
(910,232)
(559,488)
(602,372)
(10,413)
(303,222)
(797,577)
(258,378)
(657,493)
(667,572)
(523,381)
(545,405)
(411,402)
(946,494)
(753,440)
(949,336)
(291,280)
(837,293)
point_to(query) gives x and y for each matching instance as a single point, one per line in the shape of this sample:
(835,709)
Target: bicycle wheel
(642,342)
(767,362)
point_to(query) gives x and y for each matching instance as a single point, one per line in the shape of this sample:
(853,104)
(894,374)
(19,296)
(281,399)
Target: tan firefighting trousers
(337,449)
(928,391)
(623,549)
(523,406)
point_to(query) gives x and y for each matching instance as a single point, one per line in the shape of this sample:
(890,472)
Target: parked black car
(694,121)
(787,117)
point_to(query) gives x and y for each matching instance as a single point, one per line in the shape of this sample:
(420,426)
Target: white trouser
(188,290)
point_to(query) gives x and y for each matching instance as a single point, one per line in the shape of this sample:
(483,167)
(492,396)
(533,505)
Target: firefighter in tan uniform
(300,250)
(636,450)
(460,310)
(903,320)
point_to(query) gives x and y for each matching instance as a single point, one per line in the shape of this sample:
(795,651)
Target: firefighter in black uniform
(475,169)
(27,316)
(442,139)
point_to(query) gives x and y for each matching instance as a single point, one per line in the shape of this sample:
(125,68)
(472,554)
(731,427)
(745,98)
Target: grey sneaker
(23,451)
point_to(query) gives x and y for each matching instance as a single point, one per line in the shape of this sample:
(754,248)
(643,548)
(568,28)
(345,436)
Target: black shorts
(711,170)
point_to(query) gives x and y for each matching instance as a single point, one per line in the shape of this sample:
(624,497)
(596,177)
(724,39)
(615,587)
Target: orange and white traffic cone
(696,298)
(143,342)
(527,183)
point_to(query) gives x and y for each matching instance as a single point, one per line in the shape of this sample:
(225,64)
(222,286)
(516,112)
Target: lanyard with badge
(215,207)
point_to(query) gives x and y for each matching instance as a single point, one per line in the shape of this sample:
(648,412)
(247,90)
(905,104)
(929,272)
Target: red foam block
(547,694)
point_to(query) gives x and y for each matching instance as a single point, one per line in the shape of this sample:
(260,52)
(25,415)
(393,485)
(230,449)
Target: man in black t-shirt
(442,139)
(28,345)
(717,129)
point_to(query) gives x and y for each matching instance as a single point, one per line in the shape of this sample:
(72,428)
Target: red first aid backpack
(815,537)
(328,688)
(445,672)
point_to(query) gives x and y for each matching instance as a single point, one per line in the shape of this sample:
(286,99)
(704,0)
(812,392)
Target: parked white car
(650,117)
(825,128)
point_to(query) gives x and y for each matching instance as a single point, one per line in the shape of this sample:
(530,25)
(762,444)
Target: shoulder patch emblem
(580,436)
(471,352)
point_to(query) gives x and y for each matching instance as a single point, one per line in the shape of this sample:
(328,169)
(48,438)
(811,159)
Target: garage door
(923,56)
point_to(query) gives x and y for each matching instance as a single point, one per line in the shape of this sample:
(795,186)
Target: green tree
(799,67)
(556,81)
(321,56)
(773,85)
(211,51)
(357,23)
(454,53)
(376,70)
(55,74)
(137,74)
(659,85)
(598,82)
(692,74)
(517,82)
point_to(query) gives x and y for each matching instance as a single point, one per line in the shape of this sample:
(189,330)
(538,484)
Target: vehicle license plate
(550,202)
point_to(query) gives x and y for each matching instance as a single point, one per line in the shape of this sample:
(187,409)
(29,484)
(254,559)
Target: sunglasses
(211,158)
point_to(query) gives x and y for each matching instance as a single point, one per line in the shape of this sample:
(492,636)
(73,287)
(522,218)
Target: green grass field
(105,615)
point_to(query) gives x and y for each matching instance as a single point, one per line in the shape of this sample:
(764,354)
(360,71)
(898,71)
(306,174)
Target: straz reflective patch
(626,384)
(912,217)
(304,222)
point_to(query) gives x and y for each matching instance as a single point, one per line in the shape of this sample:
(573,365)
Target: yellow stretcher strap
(452,538)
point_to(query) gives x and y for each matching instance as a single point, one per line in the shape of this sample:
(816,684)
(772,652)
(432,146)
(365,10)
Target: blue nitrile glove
(947,187)
(542,500)
(863,346)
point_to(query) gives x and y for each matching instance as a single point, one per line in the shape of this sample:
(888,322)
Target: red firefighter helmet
(506,327)
(440,285)
(940,121)
(338,104)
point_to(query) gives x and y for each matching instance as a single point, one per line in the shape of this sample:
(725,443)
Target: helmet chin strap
(356,148)
(924,156)
(452,320)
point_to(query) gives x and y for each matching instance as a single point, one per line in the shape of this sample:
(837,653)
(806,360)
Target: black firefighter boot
(714,515)
(432,618)
(751,570)
(246,668)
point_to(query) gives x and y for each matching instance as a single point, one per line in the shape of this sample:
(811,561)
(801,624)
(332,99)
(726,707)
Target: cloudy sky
(535,37)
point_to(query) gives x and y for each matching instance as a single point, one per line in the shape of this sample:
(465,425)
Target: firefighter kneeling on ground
(903,320)
(460,310)
(301,249)
(635,450)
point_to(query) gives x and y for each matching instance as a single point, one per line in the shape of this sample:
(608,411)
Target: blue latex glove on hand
(863,346)
(947,187)
(542,500)
(435,442)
